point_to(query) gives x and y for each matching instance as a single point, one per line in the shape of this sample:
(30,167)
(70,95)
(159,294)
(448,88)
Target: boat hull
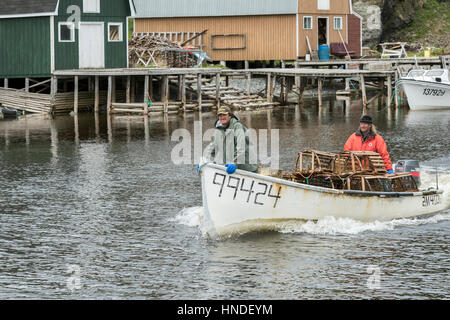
(233,202)
(426,95)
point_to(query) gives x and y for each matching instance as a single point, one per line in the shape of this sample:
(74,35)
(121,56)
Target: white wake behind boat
(245,201)
(427,90)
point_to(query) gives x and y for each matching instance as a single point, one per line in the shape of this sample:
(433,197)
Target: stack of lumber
(146,50)
(25,101)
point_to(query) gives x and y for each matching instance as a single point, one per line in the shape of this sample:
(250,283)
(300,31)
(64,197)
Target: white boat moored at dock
(427,90)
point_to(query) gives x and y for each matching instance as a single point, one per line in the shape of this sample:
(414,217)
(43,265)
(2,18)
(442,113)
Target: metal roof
(212,8)
(27,7)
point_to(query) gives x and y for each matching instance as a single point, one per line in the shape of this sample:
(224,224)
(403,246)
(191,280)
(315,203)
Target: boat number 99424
(433,92)
(432,200)
(255,192)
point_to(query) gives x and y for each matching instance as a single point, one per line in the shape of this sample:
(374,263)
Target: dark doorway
(322,30)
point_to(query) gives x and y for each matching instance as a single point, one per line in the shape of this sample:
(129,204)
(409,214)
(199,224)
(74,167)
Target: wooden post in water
(75,102)
(97,94)
(363,91)
(179,88)
(297,78)
(128,90)
(319,89)
(146,93)
(283,84)
(183,92)
(218,80)
(269,87)
(166,94)
(133,89)
(151,87)
(27,84)
(389,89)
(113,89)
(199,92)
(109,98)
(249,83)
(396,96)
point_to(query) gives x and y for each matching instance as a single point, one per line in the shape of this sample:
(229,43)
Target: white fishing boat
(427,90)
(245,201)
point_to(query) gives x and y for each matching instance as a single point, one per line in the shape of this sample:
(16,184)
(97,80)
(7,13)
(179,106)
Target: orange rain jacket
(373,142)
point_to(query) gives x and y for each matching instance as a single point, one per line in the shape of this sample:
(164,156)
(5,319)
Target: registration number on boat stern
(246,190)
(431,200)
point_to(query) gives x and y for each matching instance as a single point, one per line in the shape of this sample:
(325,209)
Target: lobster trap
(311,161)
(359,162)
(359,171)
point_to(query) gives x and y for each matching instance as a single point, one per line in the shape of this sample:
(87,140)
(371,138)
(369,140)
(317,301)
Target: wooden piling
(183,92)
(97,94)
(396,96)
(218,80)
(75,103)
(166,94)
(146,89)
(27,84)
(128,90)
(389,90)
(113,97)
(133,89)
(199,92)
(269,87)
(249,83)
(109,99)
(6,84)
(363,91)
(319,91)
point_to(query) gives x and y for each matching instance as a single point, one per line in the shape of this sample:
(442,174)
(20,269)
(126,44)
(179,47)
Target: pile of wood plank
(363,171)
(153,51)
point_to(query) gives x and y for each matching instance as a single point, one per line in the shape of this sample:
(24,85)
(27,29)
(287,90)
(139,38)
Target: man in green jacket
(230,144)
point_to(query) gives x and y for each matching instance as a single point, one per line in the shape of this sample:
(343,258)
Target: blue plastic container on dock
(324,52)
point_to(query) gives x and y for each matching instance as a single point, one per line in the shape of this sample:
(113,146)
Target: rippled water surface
(92,208)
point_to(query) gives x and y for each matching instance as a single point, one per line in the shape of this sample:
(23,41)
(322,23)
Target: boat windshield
(434,73)
(415,73)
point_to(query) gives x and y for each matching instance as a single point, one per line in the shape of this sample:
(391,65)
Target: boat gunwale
(423,82)
(327,190)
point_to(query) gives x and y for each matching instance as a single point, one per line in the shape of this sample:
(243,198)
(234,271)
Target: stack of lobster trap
(362,171)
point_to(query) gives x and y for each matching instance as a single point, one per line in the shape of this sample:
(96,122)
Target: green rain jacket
(232,145)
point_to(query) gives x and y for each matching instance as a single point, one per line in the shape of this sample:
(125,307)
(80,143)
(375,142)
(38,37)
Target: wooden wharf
(148,90)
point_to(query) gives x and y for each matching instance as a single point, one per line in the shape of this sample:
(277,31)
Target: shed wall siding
(25,47)
(336,7)
(354,34)
(268,37)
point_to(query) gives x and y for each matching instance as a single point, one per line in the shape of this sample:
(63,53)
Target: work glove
(231,168)
(391,171)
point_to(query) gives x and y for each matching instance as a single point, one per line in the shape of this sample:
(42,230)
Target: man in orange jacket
(367,139)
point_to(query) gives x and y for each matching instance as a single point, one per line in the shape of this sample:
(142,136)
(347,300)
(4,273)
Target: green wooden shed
(39,37)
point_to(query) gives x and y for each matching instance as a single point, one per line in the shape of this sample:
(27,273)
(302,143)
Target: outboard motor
(409,166)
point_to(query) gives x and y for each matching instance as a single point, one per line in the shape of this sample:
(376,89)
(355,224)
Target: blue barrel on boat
(324,52)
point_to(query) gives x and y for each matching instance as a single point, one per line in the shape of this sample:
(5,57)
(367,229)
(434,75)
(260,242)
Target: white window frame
(312,21)
(334,23)
(322,2)
(86,7)
(72,31)
(120,25)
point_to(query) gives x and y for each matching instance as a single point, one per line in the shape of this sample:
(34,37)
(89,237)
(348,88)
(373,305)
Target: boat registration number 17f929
(432,200)
(254,192)
(433,92)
